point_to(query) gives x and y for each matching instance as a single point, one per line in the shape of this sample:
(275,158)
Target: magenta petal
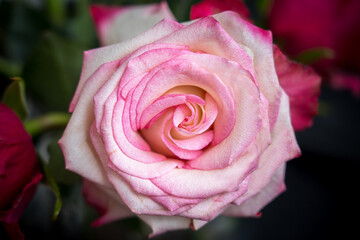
(302,85)
(209,7)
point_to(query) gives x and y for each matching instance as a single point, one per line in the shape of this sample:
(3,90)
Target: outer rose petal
(282,148)
(210,7)
(260,43)
(117,24)
(161,224)
(79,153)
(254,204)
(106,201)
(302,85)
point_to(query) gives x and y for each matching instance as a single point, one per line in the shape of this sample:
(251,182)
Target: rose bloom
(183,122)
(19,173)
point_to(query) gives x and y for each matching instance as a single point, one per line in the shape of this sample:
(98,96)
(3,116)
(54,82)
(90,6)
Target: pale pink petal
(133,137)
(161,104)
(93,59)
(123,155)
(211,113)
(249,105)
(302,85)
(213,206)
(144,59)
(106,201)
(117,24)
(282,148)
(142,204)
(147,188)
(136,64)
(197,224)
(253,205)
(180,182)
(208,36)
(80,156)
(178,151)
(161,224)
(138,203)
(153,134)
(260,43)
(199,141)
(175,73)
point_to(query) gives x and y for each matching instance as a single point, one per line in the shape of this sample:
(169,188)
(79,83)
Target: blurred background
(42,41)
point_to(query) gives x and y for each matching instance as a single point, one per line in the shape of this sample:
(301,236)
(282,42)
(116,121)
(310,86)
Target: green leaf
(53,71)
(81,28)
(56,11)
(50,181)
(46,122)
(8,68)
(14,97)
(313,55)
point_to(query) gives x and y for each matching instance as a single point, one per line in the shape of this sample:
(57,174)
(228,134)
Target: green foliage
(53,71)
(14,97)
(46,122)
(313,55)
(50,181)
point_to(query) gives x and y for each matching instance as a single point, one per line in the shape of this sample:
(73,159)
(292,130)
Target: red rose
(335,24)
(19,173)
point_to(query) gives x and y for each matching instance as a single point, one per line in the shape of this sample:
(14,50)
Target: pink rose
(19,173)
(181,123)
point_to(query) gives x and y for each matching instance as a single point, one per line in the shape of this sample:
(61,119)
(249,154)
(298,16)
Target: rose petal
(176,73)
(106,201)
(282,148)
(124,156)
(80,156)
(302,85)
(260,43)
(93,59)
(138,203)
(208,36)
(254,204)
(161,224)
(213,206)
